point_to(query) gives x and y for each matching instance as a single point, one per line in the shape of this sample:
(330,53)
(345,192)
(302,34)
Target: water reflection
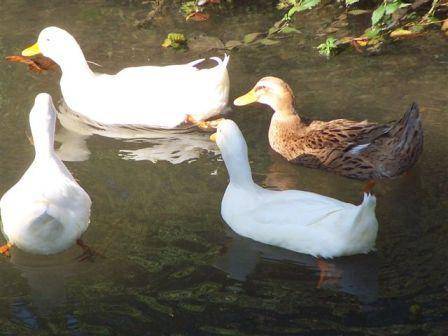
(357,275)
(47,278)
(183,145)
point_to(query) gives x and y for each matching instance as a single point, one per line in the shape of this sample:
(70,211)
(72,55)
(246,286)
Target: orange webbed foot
(88,254)
(5,249)
(369,186)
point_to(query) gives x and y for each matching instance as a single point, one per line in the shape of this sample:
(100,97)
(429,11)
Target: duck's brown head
(271,91)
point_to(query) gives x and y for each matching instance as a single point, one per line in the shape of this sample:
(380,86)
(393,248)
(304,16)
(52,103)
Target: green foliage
(175,41)
(387,22)
(296,6)
(328,47)
(188,7)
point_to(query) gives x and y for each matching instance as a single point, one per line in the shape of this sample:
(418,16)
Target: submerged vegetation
(381,21)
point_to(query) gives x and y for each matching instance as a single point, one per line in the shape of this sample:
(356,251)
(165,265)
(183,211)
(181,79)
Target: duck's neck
(75,65)
(285,110)
(239,169)
(43,139)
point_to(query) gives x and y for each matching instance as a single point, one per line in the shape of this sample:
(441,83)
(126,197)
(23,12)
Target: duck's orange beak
(213,137)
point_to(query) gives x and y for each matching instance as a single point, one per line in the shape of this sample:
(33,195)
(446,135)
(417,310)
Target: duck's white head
(233,149)
(42,123)
(59,45)
(229,139)
(271,91)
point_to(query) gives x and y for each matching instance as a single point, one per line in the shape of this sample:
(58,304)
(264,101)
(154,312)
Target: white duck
(46,211)
(301,221)
(151,96)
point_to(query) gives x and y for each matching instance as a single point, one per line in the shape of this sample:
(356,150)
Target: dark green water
(171,266)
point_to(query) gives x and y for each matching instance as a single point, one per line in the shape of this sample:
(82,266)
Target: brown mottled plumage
(356,149)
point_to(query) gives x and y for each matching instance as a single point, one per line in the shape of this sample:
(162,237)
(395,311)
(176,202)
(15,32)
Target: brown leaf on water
(197,16)
(403,34)
(445,26)
(36,64)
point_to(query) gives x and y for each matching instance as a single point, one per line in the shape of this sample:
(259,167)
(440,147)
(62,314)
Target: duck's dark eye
(47,39)
(261,87)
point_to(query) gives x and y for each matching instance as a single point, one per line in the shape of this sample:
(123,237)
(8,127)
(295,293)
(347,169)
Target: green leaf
(307,4)
(232,44)
(350,2)
(292,11)
(175,40)
(268,42)
(372,32)
(249,38)
(378,14)
(289,30)
(273,30)
(392,7)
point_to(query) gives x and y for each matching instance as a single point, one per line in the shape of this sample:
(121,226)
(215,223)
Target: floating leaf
(289,30)
(331,30)
(350,2)
(249,38)
(358,12)
(197,16)
(205,43)
(175,40)
(403,33)
(233,44)
(273,30)
(445,25)
(268,42)
(340,24)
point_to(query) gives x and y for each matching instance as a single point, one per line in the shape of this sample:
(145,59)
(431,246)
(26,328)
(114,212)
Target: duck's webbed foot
(5,249)
(88,254)
(369,186)
(208,126)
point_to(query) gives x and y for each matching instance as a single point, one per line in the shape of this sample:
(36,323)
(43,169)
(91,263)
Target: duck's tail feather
(369,201)
(409,128)
(221,62)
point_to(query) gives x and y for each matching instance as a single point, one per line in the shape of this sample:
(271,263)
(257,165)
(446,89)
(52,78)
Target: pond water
(170,265)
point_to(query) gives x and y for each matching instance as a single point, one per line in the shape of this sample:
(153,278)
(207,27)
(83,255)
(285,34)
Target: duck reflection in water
(47,278)
(174,146)
(354,275)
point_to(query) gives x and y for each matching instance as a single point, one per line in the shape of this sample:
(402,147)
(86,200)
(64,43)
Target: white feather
(46,210)
(154,96)
(296,220)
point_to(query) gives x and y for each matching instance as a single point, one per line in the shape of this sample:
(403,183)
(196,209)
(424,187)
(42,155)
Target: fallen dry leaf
(197,16)
(402,33)
(445,26)
(36,64)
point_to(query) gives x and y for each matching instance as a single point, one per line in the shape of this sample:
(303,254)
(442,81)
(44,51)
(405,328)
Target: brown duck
(356,149)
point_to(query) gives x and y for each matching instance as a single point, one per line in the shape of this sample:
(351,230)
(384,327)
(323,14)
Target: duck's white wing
(151,96)
(296,208)
(151,70)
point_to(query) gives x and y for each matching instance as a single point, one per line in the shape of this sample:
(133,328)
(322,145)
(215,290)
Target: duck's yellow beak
(248,98)
(213,137)
(31,51)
